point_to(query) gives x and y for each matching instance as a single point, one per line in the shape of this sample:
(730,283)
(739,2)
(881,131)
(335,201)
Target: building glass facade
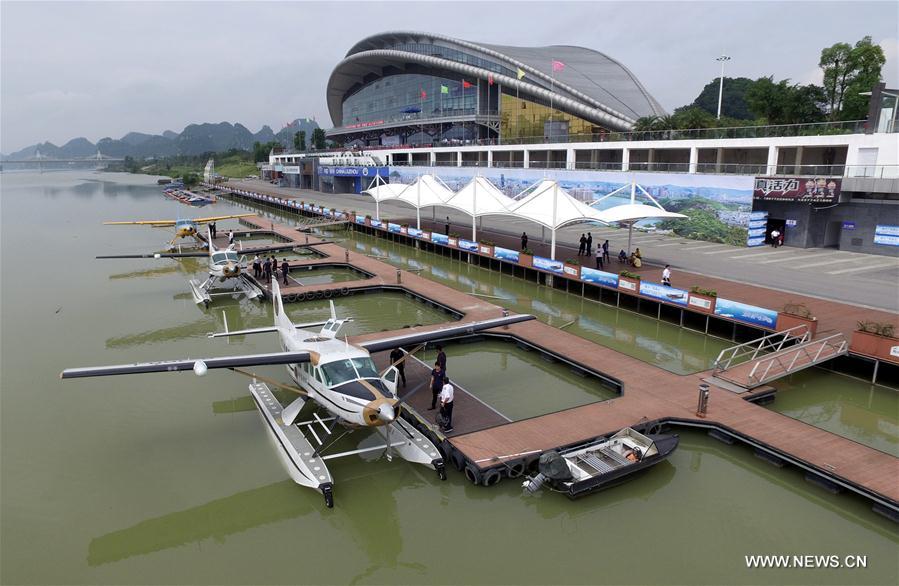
(523,118)
(453,55)
(399,97)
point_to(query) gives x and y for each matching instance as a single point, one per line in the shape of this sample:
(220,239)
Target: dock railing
(789,362)
(772,342)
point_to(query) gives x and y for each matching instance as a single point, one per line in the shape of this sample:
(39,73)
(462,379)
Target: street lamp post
(722,59)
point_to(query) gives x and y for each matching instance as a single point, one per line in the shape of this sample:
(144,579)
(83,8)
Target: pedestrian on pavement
(267,269)
(775,237)
(524,240)
(396,359)
(230,237)
(437,382)
(589,244)
(285,268)
(583,245)
(599,265)
(257,267)
(446,228)
(666,276)
(446,406)
(212,229)
(605,251)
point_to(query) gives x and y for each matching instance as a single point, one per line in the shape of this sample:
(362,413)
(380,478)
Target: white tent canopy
(551,206)
(479,198)
(426,191)
(380,191)
(633,212)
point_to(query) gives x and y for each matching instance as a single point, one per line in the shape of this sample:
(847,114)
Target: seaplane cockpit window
(338,372)
(232,256)
(219,257)
(365,367)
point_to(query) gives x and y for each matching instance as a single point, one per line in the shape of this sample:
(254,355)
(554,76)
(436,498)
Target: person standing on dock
(397,359)
(589,244)
(285,268)
(437,381)
(447,227)
(524,240)
(666,276)
(446,406)
(257,267)
(583,245)
(605,251)
(212,229)
(441,358)
(599,265)
(267,270)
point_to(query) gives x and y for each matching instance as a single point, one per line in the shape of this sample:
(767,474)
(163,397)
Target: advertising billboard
(750,314)
(440,238)
(800,189)
(663,293)
(598,277)
(468,245)
(505,254)
(886,235)
(391,227)
(547,264)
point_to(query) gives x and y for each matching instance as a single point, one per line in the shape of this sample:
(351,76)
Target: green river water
(168,478)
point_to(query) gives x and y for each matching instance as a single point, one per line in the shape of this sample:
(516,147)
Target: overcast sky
(104,69)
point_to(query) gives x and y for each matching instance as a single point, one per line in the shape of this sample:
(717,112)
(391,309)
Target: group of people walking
(266,268)
(442,391)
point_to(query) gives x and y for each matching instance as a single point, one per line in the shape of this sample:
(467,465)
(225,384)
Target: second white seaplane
(336,376)
(184,227)
(227,270)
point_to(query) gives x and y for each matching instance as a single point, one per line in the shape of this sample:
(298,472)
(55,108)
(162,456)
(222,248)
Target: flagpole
(477,109)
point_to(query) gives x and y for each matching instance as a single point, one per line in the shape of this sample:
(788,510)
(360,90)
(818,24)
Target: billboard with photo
(800,189)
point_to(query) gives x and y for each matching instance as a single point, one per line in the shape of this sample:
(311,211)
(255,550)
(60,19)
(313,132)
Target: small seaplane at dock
(184,227)
(227,270)
(330,375)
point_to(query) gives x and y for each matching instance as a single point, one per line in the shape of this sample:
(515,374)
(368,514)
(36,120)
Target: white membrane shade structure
(426,191)
(479,198)
(551,206)
(631,213)
(380,191)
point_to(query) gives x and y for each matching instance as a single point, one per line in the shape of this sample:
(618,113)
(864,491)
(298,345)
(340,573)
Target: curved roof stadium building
(418,88)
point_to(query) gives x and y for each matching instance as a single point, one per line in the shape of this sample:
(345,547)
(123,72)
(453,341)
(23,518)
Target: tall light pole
(722,59)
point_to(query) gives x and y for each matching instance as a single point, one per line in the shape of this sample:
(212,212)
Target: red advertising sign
(800,189)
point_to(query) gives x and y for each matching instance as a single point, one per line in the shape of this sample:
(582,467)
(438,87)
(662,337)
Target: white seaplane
(184,227)
(226,267)
(337,376)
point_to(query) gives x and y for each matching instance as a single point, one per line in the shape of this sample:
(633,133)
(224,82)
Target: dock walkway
(650,396)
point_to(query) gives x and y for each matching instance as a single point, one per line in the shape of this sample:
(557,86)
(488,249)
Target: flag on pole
(520,73)
(465,84)
(444,89)
(490,79)
(558,65)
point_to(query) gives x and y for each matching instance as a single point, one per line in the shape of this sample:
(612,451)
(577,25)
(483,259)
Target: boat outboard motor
(551,466)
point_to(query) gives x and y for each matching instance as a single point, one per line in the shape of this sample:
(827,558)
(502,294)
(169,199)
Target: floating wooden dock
(650,398)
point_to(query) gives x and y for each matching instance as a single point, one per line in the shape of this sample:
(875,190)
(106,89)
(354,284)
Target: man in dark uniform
(441,359)
(583,245)
(395,356)
(285,268)
(437,381)
(212,229)
(267,269)
(446,231)
(524,240)
(589,244)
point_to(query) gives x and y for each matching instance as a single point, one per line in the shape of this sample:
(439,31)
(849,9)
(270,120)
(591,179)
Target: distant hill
(195,139)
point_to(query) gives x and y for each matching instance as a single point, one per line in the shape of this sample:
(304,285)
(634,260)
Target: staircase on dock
(755,363)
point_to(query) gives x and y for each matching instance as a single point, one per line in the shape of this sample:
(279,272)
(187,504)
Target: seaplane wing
(158,255)
(217,218)
(198,365)
(444,333)
(156,223)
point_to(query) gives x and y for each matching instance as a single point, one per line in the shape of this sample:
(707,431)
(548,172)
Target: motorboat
(601,464)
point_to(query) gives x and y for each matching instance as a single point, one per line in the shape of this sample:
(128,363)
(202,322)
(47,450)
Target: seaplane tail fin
(333,311)
(281,319)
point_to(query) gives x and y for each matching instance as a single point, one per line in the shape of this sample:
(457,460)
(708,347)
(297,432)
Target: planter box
(875,346)
(404,230)
(701,303)
(368,222)
(485,249)
(628,284)
(454,242)
(526,260)
(786,321)
(570,270)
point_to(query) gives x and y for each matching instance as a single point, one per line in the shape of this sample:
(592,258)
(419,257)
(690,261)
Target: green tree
(782,103)
(733,98)
(262,150)
(299,140)
(644,123)
(693,117)
(190,179)
(318,138)
(847,71)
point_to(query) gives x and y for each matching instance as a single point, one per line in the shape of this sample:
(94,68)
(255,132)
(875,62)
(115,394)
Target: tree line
(848,71)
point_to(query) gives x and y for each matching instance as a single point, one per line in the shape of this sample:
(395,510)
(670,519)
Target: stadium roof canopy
(588,84)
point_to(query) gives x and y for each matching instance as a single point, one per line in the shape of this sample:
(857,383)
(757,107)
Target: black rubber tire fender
(458,460)
(515,469)
(491,477)
(345,291)
(319,294)
(473,474)
(329,293)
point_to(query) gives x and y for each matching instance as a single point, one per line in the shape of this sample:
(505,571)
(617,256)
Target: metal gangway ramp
(776,355)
